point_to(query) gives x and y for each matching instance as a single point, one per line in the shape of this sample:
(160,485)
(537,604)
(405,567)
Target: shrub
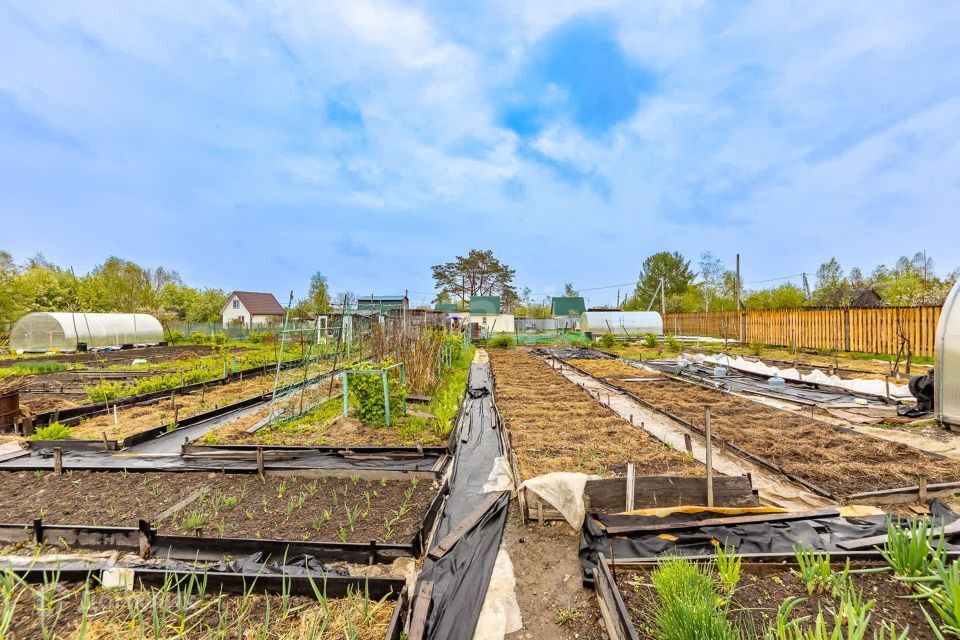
(756,349)
(500,341)
(268,337)
(255,338)
(219,339)
(367,394)
(607,340)
(673,344)
(198,338)
(55,431)
(651,340)
(174,336)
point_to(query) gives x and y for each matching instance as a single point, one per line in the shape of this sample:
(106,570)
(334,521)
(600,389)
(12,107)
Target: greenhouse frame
(946,382)
(41,332)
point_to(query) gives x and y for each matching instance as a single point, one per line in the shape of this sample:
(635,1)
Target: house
(485,313)
(383,304)
(251,308)
(866,298)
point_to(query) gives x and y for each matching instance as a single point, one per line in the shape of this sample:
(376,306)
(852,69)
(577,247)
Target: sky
(247,145)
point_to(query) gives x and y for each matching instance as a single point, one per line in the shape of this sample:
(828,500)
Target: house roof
(567,305)
(489,305)
(381,298)
(257,304)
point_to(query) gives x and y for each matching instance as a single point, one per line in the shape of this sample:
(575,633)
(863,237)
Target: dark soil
(153,354)
(234,505)
(839,462)
(763,588)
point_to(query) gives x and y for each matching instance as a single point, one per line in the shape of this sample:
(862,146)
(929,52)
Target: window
(484,319)
(236,303)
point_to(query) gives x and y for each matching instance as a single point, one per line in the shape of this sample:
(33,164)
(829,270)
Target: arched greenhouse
(41,332)
(947,361)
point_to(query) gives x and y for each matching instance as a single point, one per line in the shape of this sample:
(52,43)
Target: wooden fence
(882,330)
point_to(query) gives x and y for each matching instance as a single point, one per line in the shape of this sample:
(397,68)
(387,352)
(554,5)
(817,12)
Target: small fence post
(709,456)
(346,407)
(386,397)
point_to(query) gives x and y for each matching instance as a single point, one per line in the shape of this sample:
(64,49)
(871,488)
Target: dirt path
(548,579)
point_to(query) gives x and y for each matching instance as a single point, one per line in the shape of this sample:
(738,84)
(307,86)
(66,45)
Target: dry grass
(839,462)
(557,426)
(610,368)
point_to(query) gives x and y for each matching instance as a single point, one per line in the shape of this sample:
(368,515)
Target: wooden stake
(631,479)
(922,489)
(706,418)
(57,460)
(688,443)
(115,421)
(260,468)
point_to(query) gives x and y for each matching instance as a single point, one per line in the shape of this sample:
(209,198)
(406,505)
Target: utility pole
(739,309)
(663,297)
(806,286)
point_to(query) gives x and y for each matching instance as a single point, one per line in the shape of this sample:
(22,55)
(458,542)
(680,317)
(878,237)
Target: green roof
(485,305)
(566,306)
(447,307)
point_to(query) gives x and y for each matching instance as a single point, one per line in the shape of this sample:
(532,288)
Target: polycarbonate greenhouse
(621,323)
(42,332)
(946,380)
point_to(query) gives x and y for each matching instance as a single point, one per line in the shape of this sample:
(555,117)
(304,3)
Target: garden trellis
(383,373)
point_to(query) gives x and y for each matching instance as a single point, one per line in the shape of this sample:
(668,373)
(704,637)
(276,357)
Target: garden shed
(946,382)
(41,332)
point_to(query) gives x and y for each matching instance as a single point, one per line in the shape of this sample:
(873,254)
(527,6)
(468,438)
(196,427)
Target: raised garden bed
(604,368)
(204,606)
(219,506)
(839,463)
(629,597)
(557,426)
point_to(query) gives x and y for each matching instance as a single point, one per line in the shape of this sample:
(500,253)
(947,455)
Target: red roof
(258,304)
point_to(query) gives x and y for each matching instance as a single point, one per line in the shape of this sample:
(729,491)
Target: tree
(833,289)
(786,296)
(711,275)
(478,273)
(348,298)
(676,274)
(319,295)
(569,291)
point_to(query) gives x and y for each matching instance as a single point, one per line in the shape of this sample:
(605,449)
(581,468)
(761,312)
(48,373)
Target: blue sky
(247,145)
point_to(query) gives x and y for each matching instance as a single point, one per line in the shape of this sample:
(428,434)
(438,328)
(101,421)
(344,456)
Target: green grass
(55,431)
(33,368)
(688,603)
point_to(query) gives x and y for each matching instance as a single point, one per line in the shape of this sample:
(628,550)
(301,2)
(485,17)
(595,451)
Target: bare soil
(842,463)
(762,589)
(109,358)
(558,426)
(234,505)
(548,572)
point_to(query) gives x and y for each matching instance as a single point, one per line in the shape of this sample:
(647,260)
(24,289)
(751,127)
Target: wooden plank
(421,608)
(616,615)
(469,521)
(719,522)
(874,541)
(609,495)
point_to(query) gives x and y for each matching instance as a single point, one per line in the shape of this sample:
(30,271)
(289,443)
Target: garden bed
(765,586)
(203,606)
(603,368)
(841,463)
(557,426)
(220,505)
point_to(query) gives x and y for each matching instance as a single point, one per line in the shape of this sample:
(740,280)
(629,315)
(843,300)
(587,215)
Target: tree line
(708,285)
(122,286)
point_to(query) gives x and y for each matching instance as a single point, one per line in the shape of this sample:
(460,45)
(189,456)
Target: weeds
(566,615)
(814,569)
(728,568)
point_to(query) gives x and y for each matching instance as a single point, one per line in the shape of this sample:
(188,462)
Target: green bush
(756,349)
(174,336)
(268,337)
(500,341)
(673,344)
(219,339)
(651,340)
(255,338)
(55,431)
(198,338)
(366,391)
(607,340)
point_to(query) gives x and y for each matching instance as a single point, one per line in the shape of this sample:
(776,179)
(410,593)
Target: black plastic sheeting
(764,537)
(110,461)
(461,577)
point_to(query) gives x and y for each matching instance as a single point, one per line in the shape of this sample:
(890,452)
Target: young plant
(728,568)
(814,569)
(909,551)
(688,604)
